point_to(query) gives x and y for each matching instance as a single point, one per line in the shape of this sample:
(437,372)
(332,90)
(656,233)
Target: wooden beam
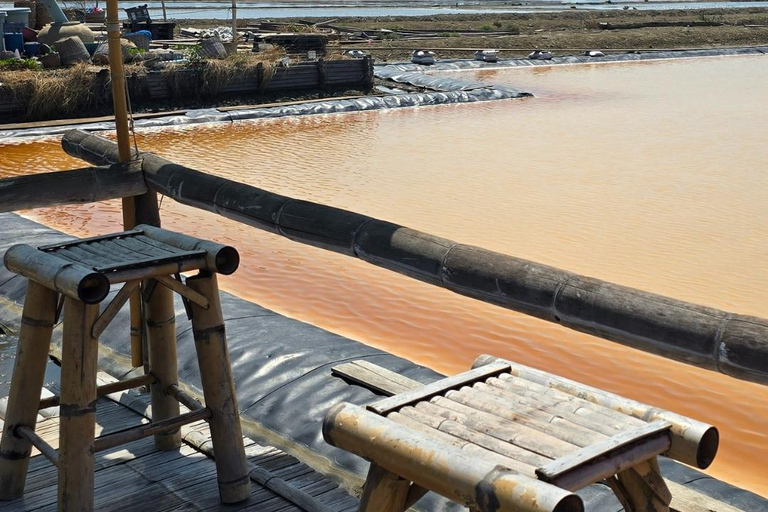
(86,185)
(374,377)
(114,307)
(183,290)
(394,403)
(606,458)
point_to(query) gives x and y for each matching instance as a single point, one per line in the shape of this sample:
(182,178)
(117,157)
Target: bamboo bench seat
(503,436)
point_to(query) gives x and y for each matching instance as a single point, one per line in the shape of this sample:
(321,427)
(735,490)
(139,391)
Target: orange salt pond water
(651,175)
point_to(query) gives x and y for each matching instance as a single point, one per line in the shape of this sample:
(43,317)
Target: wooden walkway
(136,477)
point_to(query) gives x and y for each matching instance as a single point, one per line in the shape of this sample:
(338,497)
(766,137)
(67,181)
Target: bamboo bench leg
(77,429)
(161,337)
(26,384)
(383,491)
(643,488)
(219,391)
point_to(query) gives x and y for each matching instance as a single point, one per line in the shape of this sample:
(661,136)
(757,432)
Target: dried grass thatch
(57,93)
(213,75)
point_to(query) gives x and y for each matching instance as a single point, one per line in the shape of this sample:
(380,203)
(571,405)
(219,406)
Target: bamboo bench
(505,437)
(76,276)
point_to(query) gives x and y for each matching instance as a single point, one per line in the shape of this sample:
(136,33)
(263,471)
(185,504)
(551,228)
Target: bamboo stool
(79,274)
(505,437)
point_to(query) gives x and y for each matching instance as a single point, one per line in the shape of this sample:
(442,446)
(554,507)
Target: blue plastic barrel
(32,49)
(14,41)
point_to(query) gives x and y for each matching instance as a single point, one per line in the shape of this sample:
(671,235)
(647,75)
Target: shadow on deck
(137,477)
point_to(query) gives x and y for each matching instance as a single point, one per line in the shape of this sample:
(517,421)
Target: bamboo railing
(736,345)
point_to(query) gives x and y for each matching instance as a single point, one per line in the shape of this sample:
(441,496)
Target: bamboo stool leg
(161,334)
(26,384)
(219,391)
(644,487)
(383,491)
(80,354)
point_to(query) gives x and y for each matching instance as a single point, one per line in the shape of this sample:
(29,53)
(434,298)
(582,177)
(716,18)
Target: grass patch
(211,76)
(18,64)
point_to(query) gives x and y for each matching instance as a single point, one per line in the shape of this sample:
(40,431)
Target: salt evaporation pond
(651,175)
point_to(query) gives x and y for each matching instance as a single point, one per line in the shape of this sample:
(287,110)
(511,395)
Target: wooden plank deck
(136,477)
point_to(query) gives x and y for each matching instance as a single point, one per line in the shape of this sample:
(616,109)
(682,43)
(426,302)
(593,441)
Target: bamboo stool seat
(505,437)
(78,276)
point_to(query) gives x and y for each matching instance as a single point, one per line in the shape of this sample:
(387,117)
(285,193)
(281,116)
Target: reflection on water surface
(651,175)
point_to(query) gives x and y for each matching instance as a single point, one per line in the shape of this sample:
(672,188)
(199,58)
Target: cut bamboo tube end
(73,280)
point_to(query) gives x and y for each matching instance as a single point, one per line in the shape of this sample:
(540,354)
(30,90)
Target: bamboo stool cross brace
(82,272)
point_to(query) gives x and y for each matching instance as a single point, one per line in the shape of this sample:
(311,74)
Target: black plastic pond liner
(284,385)
(463,64)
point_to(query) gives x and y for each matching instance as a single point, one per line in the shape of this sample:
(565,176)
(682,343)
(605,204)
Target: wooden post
(161,337)
(234,25)
(383,491)
(321,76)
(219,391)
(79,359)
(368,73)
(28,373)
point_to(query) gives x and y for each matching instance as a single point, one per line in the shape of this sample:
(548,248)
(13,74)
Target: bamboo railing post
(219,391)
(77,429)
(141,209)
(161,338)
(26,384)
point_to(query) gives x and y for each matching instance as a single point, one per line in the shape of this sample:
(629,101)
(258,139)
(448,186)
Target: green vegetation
(17,64)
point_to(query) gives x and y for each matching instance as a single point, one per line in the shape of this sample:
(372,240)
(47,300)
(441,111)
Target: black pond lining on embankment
(438,91)
(283,379)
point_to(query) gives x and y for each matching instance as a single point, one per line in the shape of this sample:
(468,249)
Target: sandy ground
(562,32)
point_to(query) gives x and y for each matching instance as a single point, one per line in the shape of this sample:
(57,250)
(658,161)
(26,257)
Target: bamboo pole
(161,338)
(114,387)
(154,428)
(71,279)
(539,392)
(472,481)
(508,455)
(184,398)
(124,153)
(693,442)
(219,391)
(26,385)
(86,185)
(511,428)
(77,428)
(736,345)
(219,258)
(38,442)
(596,419)
(234,24)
